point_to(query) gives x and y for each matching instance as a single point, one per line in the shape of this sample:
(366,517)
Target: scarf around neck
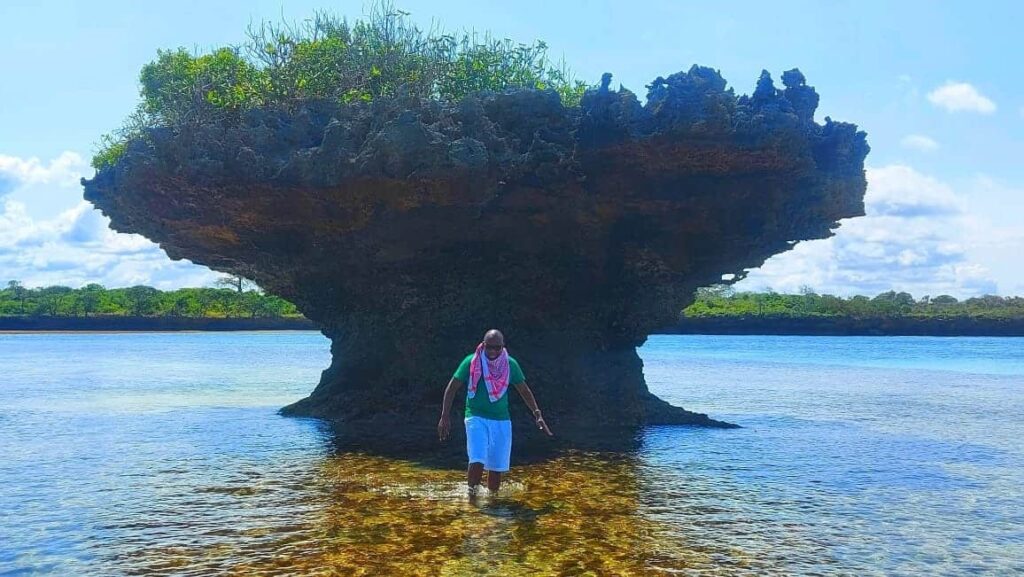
(495,373)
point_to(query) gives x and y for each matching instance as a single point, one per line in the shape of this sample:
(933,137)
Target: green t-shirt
(480,405)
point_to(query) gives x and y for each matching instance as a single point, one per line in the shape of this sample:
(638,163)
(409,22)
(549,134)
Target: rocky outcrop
(406,228)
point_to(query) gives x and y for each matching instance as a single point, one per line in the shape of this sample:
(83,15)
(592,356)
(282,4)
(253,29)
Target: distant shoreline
(725,325)
(895,326)
(44,324)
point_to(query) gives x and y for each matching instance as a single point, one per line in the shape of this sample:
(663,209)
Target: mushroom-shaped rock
(406,228)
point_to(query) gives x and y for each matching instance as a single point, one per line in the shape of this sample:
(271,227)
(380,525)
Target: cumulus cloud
(998,238)
(64,170)
(915,237)
(77,247)
(901,191)
(919,142)
(961,96)
(46,186)
(64,240)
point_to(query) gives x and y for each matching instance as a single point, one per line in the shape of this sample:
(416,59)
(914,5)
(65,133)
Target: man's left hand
(543,426)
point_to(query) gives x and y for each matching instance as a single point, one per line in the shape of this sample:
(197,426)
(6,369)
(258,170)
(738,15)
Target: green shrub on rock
(325,57)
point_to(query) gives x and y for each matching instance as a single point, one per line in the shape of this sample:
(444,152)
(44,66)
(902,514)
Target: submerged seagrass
(407,227)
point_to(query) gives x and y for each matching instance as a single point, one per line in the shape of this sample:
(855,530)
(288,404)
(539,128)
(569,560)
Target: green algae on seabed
(579,514)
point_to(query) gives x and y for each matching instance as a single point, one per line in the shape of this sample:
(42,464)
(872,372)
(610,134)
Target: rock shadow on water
(393,436)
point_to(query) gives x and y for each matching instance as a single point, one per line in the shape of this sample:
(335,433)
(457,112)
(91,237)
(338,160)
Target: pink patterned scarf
(495,373)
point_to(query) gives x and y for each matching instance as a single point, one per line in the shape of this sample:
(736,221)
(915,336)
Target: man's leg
(499,449)
(474,473)
(493,481)
(476,450)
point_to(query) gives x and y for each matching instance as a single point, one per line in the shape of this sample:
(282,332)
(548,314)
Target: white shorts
(489,442)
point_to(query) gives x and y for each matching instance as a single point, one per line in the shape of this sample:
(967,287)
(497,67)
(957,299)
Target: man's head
(494,341)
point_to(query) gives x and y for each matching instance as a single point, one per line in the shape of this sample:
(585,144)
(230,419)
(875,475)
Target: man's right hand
(444,427)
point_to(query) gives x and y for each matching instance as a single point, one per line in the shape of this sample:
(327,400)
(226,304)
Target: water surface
(130,454)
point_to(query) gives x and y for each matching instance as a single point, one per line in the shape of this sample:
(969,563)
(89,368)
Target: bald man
(489,371)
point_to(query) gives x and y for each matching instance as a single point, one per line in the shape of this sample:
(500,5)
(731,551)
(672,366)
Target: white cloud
(919,142)
(961,96)
(49,236)
(45,186)
(918,236)
(77,247)
(64,170)
(998,238)
(901,191)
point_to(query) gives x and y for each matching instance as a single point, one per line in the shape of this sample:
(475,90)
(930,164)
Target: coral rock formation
(406,228)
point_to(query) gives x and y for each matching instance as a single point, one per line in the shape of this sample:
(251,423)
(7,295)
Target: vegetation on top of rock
(325,57)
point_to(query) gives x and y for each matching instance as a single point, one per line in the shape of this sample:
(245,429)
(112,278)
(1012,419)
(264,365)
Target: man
(489,371)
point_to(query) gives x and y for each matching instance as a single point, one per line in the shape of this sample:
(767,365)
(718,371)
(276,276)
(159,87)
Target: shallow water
(130,454)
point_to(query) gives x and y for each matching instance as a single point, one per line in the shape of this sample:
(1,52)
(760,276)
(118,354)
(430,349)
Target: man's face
(493,346)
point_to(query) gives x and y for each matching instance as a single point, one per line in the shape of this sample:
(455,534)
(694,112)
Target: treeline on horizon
(235,297)
(722,301)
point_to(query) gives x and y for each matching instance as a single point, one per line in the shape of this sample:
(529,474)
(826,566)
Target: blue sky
(933,84)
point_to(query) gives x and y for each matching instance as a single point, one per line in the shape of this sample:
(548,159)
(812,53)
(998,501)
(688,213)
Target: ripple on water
(866,470)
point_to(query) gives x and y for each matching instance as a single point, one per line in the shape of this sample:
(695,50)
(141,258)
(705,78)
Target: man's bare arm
(444,425)
(527,395)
